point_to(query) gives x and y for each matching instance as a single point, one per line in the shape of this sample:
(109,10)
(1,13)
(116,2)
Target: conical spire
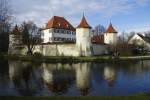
(16,30)
(83,23)
(111,29)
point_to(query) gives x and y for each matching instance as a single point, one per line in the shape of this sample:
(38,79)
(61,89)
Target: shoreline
(133,97)
(54,59)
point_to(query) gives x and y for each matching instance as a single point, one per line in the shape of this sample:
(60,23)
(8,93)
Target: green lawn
(139,97)
(65,59)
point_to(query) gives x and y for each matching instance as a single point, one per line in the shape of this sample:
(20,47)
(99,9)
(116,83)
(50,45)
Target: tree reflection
(24,78)
(4,77)
(58,78)
(27,79)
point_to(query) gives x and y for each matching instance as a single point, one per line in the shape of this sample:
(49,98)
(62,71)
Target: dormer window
(59,24)
(67,25)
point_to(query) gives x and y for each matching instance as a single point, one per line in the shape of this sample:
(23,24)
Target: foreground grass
(138,97)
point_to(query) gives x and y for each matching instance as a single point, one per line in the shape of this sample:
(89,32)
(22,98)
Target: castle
(60,38)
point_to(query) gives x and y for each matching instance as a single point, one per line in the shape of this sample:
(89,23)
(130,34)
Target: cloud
(41,10)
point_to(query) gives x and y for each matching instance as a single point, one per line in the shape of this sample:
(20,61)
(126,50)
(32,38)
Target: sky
(125,15)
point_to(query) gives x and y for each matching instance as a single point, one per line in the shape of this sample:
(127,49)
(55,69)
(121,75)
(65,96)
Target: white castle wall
(53,50)
(68,50)
(110,38)
(99,49)
(15,44)
(61,50)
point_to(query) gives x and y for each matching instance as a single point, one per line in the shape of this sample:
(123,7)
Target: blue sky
(126,15)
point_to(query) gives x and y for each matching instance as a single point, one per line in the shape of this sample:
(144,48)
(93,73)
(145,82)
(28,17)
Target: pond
(19,78)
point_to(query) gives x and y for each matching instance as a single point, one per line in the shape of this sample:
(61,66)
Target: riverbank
(136,97)
(73,59)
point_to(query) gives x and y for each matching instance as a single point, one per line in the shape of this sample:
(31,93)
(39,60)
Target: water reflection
(109,75)
(30,79)
(24,77)
(4,77)
(57,77)
(83,77)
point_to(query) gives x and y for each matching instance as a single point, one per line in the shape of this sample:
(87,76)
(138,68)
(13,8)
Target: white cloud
(41,10)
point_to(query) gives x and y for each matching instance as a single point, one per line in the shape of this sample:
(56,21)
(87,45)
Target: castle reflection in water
(29,79)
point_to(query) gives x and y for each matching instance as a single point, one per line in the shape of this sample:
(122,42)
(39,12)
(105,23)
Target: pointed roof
(16,30)
(111,29)
(60,23)
(83,23)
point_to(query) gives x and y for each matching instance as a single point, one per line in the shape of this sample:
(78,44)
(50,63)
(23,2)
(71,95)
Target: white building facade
(58,29)
(141,40)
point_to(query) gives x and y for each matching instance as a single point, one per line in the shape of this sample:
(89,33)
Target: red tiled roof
(111,29)
(99,39)
(60,23)
(83,23)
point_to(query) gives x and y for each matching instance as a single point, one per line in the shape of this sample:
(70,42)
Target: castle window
(59,24)
(67,25)
(59,31)
(55,30)
(62,31)
(50,31)
(69,32)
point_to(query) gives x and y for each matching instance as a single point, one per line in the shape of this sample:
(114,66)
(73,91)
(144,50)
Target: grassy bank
(72,59)
(138,97)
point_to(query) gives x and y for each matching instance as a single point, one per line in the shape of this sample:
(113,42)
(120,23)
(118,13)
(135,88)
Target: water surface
(19,78)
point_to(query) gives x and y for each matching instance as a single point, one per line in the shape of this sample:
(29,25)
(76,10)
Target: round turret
(83,37)
(110,36)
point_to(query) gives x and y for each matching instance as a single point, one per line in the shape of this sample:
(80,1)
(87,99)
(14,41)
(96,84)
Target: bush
(37,54)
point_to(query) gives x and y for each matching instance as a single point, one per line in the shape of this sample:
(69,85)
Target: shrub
(37,54)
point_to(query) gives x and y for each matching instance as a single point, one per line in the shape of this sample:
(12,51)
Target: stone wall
(61,50)
(57,50)
(99,49)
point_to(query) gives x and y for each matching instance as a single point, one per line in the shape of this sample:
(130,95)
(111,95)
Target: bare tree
(31,36)
(4,24)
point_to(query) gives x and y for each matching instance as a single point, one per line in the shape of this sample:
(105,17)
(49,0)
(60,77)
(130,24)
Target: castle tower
(83,38)
(110,37)
(15,41)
